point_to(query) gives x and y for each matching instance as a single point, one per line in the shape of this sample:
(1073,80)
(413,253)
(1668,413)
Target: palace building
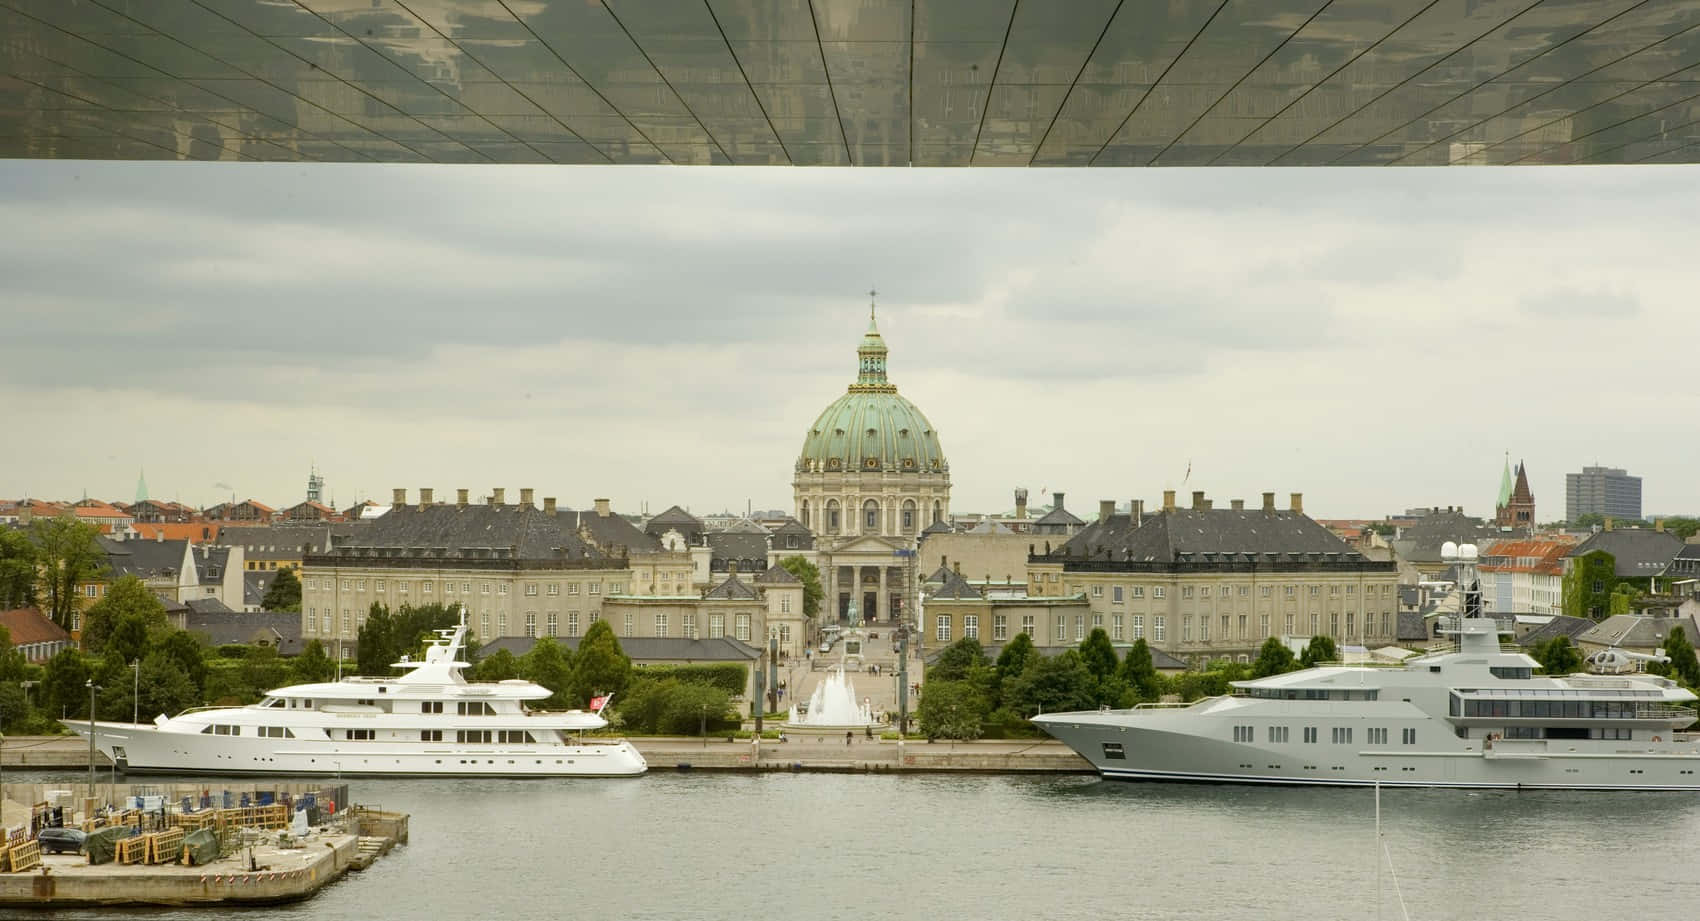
(870,478)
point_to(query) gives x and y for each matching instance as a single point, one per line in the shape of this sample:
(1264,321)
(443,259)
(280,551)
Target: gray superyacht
(1469,715)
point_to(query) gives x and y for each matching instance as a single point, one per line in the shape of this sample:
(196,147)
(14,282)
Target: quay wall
(176,885)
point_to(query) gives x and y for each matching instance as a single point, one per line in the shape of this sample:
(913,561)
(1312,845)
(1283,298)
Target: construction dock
(186,844)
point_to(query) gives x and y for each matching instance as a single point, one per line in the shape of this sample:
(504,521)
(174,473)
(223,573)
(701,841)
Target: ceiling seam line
(992,85)
(252,34)
(1560,86)
(1331,75)
(1159,82)
(1402,83)
(837,114)
(169,76)
(1253,69)
(666,82)
(1085,63)
(1635,140)
(1636,89)
(747,85)
(580,77)
(1520,64)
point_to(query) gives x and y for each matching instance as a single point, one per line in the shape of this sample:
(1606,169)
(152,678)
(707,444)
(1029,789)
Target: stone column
(885,599)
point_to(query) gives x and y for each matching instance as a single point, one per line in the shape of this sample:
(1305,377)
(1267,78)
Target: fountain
(833,706)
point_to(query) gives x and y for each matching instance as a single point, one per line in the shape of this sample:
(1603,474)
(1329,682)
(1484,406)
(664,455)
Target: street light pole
(90,685)
(136,694)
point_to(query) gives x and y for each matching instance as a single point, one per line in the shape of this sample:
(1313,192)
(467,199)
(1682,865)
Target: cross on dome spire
(870,354)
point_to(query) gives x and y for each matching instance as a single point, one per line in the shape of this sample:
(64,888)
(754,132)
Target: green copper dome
(871,428)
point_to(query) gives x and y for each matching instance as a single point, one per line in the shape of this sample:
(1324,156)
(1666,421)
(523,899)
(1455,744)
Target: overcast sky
(1373,338)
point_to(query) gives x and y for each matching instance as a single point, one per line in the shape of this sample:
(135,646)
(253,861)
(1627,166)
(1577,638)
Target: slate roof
(1639,552)
(1059,516)
(279,541)
(955,588)
(1421,542)
(278,629)
(733,589)
(778,575)
(144,559)
(938,527)
(675,519)
(1223,536)
(648,648)
(1636,631)
(791,535)
(208,607)
(748,550)
(988,526)
(1560,625)
(517,532)
(255,584)
(210,563)
(939,575)
(1412,627)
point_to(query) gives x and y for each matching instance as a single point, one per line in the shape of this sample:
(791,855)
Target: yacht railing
(1447,647)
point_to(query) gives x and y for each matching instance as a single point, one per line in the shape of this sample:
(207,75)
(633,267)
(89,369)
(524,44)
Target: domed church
(870,478)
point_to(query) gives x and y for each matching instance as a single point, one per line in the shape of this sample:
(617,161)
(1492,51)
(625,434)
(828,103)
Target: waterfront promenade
(800,753)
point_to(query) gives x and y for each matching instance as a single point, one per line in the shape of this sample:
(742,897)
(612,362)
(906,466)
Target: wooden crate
(23,856)
(194,820)
(165,846)
(133,849)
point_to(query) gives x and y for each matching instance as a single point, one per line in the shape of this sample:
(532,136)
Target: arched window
(870,517)
(938,512)
(909,516)
(832,516)
(804,513)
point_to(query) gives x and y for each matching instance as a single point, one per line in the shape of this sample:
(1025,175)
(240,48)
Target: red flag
(597,703)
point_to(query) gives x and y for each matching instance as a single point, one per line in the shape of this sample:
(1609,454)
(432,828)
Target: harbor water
(872,848)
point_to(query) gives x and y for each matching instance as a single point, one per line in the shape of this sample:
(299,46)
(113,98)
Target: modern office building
(1608,491)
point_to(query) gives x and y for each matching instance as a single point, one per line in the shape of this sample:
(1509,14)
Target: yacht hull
(141,749)
(1159,747)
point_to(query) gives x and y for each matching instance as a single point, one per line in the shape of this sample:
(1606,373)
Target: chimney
(549,504)
(732,567)
(1106,508)
(1136,511)
(499,496)
(602,510)
(943,561)
(1239,505)
(425,497)
(1269,502)
(1659,525)
(956,568)
(1056,500)
(525,495)
(1209,504)
(1021,503)
(398,497)
(460,498)
(1198,499)
(1297,502)
(1168,500)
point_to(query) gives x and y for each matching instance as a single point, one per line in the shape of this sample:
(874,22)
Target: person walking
(848,735)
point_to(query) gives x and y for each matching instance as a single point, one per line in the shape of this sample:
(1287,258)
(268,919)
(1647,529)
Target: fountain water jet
(833,705)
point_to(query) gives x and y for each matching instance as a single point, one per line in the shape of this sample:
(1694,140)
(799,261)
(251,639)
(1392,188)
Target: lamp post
(90,685)
(702,723)
(136,693)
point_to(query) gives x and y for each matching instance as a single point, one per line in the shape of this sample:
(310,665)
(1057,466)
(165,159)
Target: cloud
(1604,306)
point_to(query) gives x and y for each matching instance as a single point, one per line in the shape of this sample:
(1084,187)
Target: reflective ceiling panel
(855,82)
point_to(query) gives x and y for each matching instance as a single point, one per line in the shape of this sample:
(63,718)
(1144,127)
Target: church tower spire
(870,355)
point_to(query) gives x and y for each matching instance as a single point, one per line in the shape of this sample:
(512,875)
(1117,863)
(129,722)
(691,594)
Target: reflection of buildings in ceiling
(859,82)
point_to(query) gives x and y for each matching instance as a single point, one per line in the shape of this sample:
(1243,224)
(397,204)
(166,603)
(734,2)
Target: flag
(597,703)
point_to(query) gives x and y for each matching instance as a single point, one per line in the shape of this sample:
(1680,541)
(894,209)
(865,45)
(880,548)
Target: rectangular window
(473,736)
(1157,628)
(431,706)
(1061,634)
(1079,627)
(1263,624)
(554,588)
(483,588)
(1000,627)
(531,623)
(502,623)
(1139,591)
(501,588)
(1243,620)
(554,624)
(1204,591)
(1408,736)
(1349,630)
(430,735)
(716,626)
(1027,625)
(425,588)
(941,628)
(378,584)
(1342,735)
(630,622)
(1310,733)
(1289,624)
(1277,734)
(1186,629)
(572,588)
(484,623)
(531,588)
(660,624)
(1287,591)
(474,708)
(1115,627)
(514,737)
(1204,629)
(971,626)
(595,588)
(1186,591)
(1139,626)
(1097,591)
(742,624)
(1157,591)
(1116,595)
(690,625)
(1315,590)
(572,623)
(360,735)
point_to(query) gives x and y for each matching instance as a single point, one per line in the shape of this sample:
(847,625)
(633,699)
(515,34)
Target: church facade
(871,476)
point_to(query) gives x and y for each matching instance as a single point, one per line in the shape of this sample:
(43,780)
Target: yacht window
(430,735)
(431,706)
(1408,736)
(1515,673)
(1310,733)
(361,735)
(475,708)
(472,735)
(275,732)
(515,736)
(1277,733)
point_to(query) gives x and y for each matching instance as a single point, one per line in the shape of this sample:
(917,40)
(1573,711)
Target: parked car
(61,840)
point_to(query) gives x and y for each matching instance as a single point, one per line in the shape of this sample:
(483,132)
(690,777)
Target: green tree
(952,710)
(1098,654)
(1590,520)
(1140,674)
(162,686)
(188,655)
(500,665)
(1320,649)
(18,561)
(284,594)
(1685,667)
(62,690)
(377,647)
(549,664)
(1558,657)
(123,618)
(262,671)
(601,666)
(1051,685)
(1017,655)
(1683,526)
(956,659)
(13,665)
(670,706)
(312,665)
(1273,659)
(810,574)
(69,555)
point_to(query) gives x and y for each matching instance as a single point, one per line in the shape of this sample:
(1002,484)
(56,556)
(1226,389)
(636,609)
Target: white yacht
(1474,715)
(428,721)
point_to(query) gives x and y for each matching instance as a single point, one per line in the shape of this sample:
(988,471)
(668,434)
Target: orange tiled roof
(195,532)
(29,625)
(261,506)
(1548,556)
